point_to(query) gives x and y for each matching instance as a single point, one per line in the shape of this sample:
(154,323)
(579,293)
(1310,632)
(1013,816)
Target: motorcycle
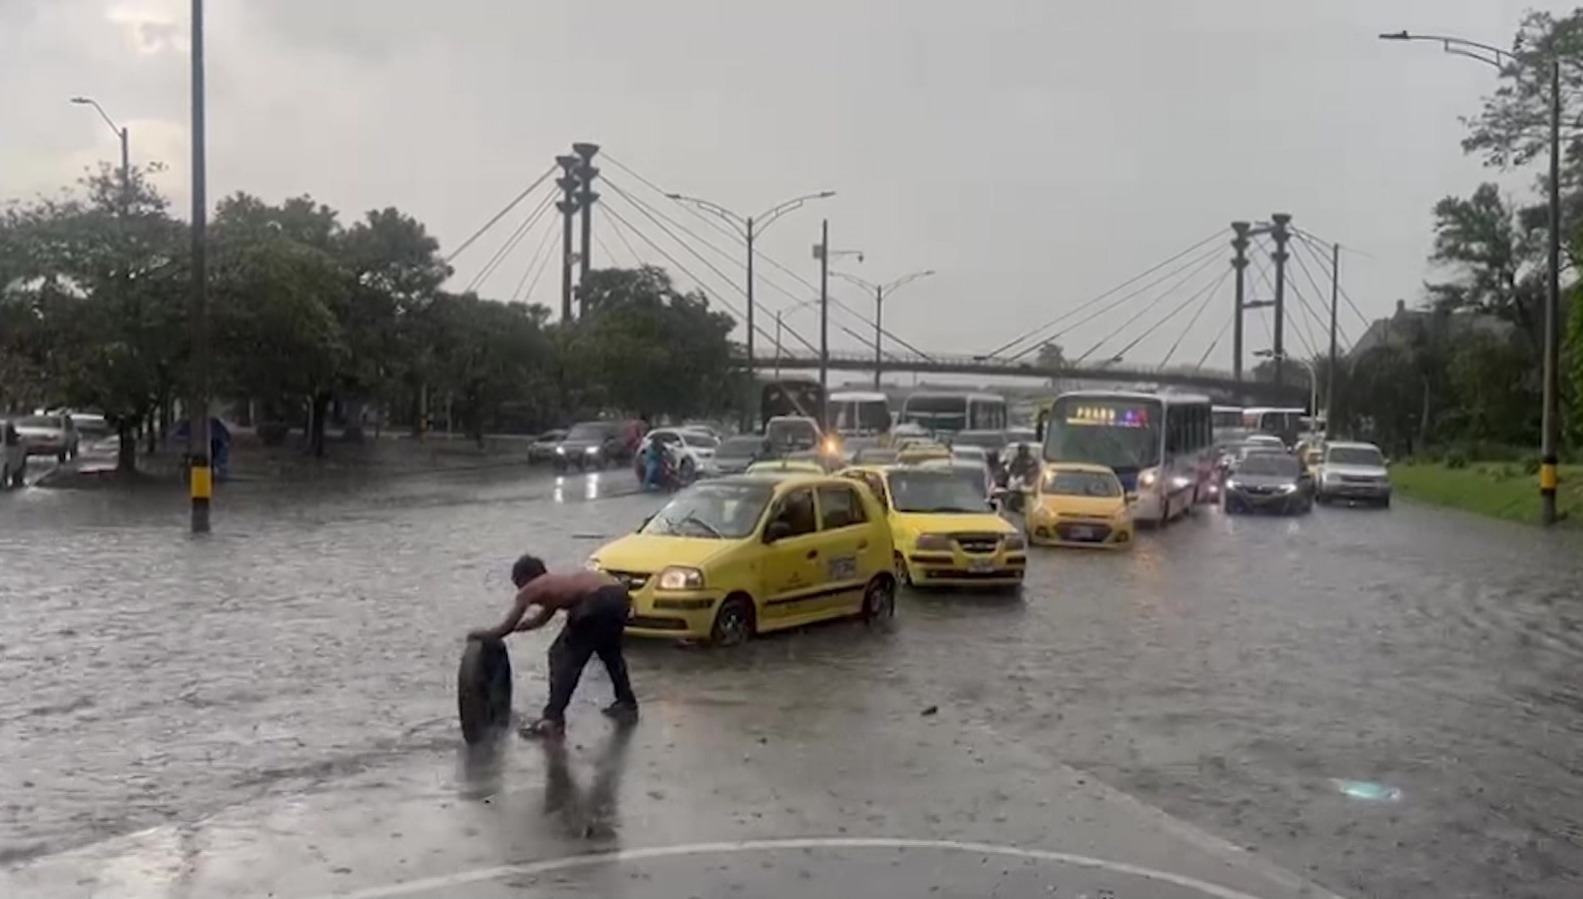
(1013,497)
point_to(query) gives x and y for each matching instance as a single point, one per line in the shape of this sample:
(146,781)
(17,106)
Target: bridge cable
(1036,335)
(622,236)
(1202,263)
(1309,241)
(500,215)
(758,254)
(1200,294)
(1194,320)
(737,261)
(516,237)
(536,262)
(1341,334)
(656,218)
(1215,343)
(1314,251)
(609,210)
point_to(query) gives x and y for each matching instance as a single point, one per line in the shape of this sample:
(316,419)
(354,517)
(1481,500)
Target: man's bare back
(546,594)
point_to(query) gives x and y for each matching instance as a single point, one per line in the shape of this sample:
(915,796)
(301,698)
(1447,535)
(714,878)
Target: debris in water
(931,710)
(1372,792)
(588,536)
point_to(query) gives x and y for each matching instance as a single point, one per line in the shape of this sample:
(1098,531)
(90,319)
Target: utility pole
(200,477)
(879,312)
(1239,264)
(1281,235)
(568,209)
(1330,373)
(586,173)
(1551,420)
(823,251)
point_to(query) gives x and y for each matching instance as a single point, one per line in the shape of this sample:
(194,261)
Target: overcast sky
(1033,153)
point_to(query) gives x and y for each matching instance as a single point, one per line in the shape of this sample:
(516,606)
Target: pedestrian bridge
(1219,387)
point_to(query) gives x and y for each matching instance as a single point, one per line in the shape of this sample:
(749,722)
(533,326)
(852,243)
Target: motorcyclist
(1023,465)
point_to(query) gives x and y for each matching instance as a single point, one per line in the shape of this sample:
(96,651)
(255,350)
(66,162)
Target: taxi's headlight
(1014,542)
(679,578)
(592,564)
(934,542)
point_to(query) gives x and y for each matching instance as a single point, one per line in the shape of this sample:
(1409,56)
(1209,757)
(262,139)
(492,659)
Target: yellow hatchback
(946,532)
(786,466)
(736,556)
(1080,505)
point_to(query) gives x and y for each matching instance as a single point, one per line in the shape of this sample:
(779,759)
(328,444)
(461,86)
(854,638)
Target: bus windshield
(1118,432)
(865,416)
(936,412)
(1226,417)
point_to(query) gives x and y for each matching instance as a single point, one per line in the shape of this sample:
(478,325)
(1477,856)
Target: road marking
(482,875)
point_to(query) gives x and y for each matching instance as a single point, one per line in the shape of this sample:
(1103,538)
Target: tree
(1496,260)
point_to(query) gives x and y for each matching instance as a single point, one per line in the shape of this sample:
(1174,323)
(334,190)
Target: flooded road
(1236,673)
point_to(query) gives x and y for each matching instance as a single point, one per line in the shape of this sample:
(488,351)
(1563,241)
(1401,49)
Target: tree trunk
(126,454)
(353,431)
(320,412)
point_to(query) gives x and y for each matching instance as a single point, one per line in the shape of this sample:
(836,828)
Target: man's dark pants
(593,627)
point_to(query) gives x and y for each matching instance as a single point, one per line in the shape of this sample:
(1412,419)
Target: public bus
(791,397)
(1161,445)
(1226,418)
(859,413)
(1285,423)
(949,411)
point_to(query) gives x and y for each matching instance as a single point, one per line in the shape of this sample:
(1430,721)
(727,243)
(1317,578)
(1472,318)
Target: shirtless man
(596,617)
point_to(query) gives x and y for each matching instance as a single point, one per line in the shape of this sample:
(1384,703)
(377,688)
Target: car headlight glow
(1288,488)
(560,451)
(1014,542)
(1179,482)
(592,564)
(592,451)
(933,542)
(1231,484)
(677,577)
(1147,479)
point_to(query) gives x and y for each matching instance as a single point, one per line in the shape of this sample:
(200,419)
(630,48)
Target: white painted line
(498,872)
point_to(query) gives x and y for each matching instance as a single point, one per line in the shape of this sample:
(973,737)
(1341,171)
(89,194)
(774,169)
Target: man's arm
(540,617)
(518,608)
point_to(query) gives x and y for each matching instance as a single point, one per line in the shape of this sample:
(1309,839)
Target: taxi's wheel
(879,602)
(733,623)
(899,565)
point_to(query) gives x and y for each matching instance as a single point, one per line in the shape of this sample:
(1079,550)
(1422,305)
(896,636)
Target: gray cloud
(1033,153)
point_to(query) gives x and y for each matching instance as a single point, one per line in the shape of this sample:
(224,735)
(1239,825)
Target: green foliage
(94,287)
(1457,458)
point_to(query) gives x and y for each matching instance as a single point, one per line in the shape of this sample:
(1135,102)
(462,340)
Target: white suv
(1352,472)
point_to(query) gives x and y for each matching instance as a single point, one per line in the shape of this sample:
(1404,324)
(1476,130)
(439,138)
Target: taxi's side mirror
(776,530)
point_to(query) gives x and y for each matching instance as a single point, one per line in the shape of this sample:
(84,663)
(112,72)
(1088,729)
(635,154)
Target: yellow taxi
(786,466)
(922,451)
(732,557)
(946,531)
(1080,505)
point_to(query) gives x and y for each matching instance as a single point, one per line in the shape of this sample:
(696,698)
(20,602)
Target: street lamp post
(749,229)
(1313,374)
(881,291)
(126,153)
(201,485)
(1504,61)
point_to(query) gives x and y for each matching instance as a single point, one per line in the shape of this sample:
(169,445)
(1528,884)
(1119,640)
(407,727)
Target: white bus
(1285,423)
(948,411)
(859,413)
(1161,445)
(1226,418)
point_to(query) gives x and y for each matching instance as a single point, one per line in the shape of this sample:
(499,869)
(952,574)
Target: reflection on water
(590,813)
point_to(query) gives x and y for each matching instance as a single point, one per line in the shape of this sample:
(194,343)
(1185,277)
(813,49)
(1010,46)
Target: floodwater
(1386,702)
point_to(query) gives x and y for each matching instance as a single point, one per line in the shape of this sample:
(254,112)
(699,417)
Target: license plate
(1081,533)
(981,565)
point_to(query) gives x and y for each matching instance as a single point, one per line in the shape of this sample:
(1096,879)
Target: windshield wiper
(713,531)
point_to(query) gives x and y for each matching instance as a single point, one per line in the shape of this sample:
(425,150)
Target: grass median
(1497,489)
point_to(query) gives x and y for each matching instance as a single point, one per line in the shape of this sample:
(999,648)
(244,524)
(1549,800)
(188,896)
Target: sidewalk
(776,805)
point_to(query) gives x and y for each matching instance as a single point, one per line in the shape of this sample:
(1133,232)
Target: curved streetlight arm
(774,212)
(1456,46)
(904,280)
(89,101)
(736,220)
(854,279)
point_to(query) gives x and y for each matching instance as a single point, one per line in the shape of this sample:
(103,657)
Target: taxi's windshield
(720,511)
(1082,483)
(938,490)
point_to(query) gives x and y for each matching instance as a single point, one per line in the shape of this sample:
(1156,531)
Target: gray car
(1353,472)
(1268,482)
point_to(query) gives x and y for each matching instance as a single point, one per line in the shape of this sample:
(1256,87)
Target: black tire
(1385,503)
(483,690)
(17,477)
(687,473)
(879,602)
(734,623)
(60,458)
(1321,499)
(899,569)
